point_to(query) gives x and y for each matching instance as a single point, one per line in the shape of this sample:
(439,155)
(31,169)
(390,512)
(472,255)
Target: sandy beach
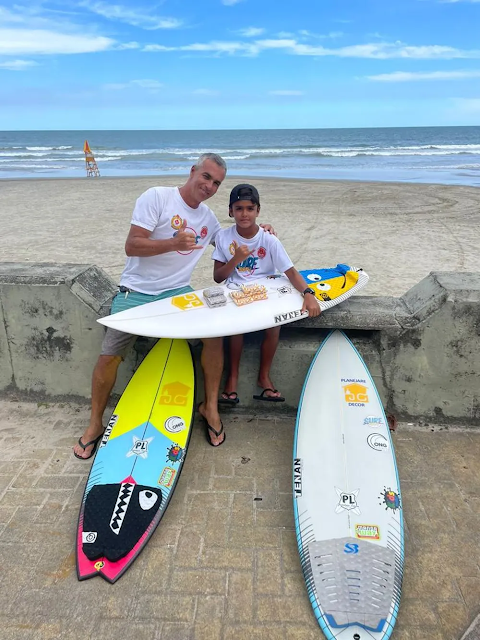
(397,232)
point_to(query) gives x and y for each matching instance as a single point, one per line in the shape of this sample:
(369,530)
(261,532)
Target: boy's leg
(212,364)
(236,347)
(267,353)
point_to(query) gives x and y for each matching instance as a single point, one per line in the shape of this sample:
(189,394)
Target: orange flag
(86,148)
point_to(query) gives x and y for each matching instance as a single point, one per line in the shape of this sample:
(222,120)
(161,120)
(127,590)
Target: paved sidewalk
(223,563)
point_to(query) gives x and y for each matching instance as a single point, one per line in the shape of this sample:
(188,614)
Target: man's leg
(105,372)
(212,364)
(114,345)
(103,380)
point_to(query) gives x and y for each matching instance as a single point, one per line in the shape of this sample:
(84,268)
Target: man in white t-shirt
(170,227)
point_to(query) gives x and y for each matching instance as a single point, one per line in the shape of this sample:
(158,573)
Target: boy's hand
(310,304)
(242,253)
(185,241)
(269,229)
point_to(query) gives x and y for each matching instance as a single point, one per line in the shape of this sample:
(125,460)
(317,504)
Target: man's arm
(268,228)
(140,245)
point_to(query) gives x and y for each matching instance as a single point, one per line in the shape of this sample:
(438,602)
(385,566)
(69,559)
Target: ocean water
(448,155)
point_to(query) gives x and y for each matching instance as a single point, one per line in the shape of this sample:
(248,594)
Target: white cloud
(148,84)
(468,105)
(151,85)
(229,48)
(17,65)
(157,47)
(7,17)
(15,42)
(321,36)
(205,92)
(251,32)
(127,45)
(334,34)
(40,17)
(407,76)
(133,17)
(379,51)
(286,92)
(377,35)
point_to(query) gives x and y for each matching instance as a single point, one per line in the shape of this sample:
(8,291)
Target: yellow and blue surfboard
(138,462)
(336,284)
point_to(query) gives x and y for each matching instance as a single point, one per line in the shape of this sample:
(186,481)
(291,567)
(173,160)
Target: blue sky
(227,64)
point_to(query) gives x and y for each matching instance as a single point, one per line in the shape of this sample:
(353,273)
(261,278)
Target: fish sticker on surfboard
(336,284)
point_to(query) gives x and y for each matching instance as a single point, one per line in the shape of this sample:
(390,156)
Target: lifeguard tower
(90,163)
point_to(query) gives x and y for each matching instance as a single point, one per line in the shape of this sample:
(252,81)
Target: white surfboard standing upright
(347,502)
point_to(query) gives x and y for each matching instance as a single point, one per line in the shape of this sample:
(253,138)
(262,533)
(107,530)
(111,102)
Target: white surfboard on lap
(189,316)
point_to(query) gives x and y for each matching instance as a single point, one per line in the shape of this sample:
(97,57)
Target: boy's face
(245,213)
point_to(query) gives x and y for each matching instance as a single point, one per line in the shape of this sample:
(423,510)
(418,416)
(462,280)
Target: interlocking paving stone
(223,563)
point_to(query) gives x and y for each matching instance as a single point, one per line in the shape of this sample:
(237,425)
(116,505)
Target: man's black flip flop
(84,446)
(215,432)
(210,428)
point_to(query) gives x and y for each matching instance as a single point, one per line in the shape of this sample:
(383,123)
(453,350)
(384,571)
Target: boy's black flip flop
(229,400)
(265,398)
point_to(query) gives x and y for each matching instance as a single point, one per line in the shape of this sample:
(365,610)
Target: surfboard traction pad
(110,506)
(354,581)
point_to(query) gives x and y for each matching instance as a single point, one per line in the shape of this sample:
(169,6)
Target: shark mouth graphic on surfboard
(107,508)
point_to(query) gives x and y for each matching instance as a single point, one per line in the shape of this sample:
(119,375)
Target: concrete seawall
(422,349)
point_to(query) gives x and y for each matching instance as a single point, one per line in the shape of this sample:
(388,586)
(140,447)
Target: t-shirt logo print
(188,230)
(176,222)
(248,266)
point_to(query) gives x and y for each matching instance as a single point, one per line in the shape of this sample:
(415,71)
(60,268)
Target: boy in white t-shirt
(244,253)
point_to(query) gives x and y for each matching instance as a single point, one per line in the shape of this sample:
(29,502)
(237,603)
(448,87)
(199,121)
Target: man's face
(206,179)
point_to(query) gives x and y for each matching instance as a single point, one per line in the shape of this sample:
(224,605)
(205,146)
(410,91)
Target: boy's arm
(221,270)
(310,303)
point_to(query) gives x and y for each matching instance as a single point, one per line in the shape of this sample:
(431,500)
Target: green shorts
(116,343)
